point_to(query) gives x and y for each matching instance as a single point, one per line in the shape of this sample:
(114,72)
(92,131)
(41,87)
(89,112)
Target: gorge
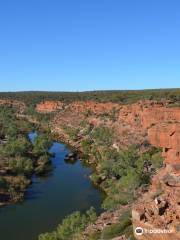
(156,122)
(134,149)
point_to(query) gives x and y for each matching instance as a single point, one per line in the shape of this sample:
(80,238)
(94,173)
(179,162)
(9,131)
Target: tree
(102,135)
(21,165)
(17,146)
(41,145)
(72,226)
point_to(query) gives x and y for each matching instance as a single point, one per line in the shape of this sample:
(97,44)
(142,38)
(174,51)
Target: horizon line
(86,91)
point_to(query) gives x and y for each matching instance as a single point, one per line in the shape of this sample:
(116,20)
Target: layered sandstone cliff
(49,106)
(158,212)
(77,106)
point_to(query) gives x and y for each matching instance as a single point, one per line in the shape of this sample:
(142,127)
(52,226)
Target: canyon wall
(77,106)
(158,212)
(49,106)
(150,122)
(144,121)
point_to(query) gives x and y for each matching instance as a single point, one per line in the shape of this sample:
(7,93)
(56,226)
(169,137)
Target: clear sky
(77,45)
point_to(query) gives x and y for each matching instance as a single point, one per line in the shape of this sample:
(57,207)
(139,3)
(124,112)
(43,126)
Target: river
(49,199)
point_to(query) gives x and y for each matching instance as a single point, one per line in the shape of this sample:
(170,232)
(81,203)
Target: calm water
(48,200)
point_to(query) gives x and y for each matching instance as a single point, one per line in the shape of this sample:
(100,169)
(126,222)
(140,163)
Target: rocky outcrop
(49,106)
(20,106)
(78,106)
(124,120)
(93,107)
(155,115)
(167,136)
(158,212)
(105,220)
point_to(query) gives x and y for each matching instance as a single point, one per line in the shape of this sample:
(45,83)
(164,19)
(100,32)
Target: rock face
(104,220)
(156,114)
(93,107)
(49,106)
(159,209)
(124,120)
(167,136)
(78,106)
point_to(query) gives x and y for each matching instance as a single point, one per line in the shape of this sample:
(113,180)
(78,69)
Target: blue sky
(77,45)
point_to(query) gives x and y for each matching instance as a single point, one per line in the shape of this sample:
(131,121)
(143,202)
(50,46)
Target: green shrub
(86,146)
(42,144)
(157,160)
(102,135)
(117,229)
(48,236)
(72,132)
(43,164)
(72,226)
(18,146)
(21,165)
(94,236)
(18,183)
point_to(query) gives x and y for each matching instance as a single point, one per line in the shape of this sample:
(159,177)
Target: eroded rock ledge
(160,207)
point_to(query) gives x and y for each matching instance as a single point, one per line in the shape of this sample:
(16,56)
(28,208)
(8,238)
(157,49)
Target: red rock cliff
(93,107)
(49,106)
(159,209)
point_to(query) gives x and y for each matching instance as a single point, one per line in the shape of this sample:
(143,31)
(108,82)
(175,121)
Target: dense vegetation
(123,227)
(72,226)
(31,98)
(123,175)
(20,158)
(120,173)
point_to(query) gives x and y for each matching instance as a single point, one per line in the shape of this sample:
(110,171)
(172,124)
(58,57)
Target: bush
(157,160)
(102,135)
(72,226)
(42,144)
(72,132)
(43,164)
(16,147)
(86,146)
(95,178)
(94,236)
(124,173)
(117,229)
(18,183)
(21,165)
(48,236)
